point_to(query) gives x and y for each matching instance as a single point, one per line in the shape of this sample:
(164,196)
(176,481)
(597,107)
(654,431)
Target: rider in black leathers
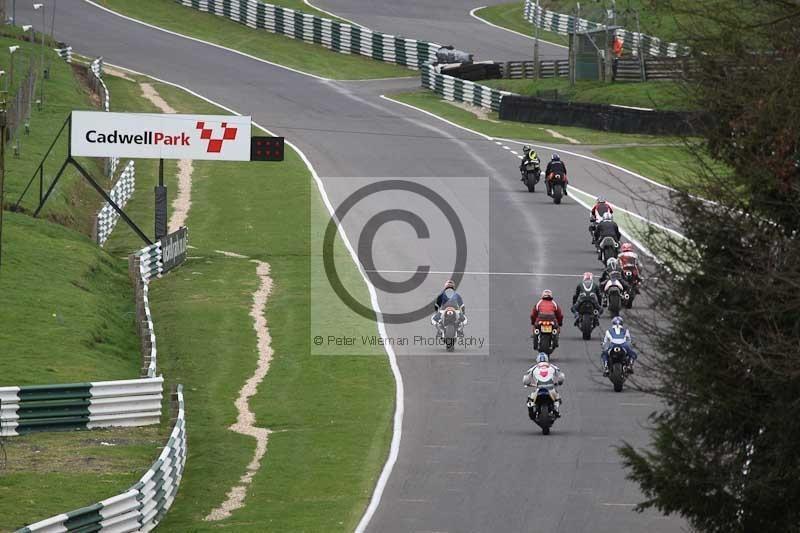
(606,228)
(587,288)
(555,166)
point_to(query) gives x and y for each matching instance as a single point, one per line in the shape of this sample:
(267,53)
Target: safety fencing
(141,507)
(65,53)
(337,36)
(101,89)
(73,406)
(143,266)
(631,41)
(120,193)
(458,90)
(558,68)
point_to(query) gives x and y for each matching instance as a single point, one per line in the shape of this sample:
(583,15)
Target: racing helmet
(600,200)
(542,358)
(526,149)
(616,321)
(612,263)
(449,284)
(547,294)
(588,276)
(555,157)
(626,247)
(608,216)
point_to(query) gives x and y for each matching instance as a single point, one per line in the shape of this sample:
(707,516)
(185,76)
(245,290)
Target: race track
(470,460)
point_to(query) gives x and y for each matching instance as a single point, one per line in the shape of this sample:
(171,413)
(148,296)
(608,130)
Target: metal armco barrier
(600,116)
(121,192)
(96,68)
(337,36)
(566,24)
(457,90)
(141,507)
(64,53)
(135,402)
(558,68)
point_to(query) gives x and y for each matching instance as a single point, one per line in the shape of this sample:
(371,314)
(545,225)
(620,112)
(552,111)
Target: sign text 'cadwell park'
(160,136)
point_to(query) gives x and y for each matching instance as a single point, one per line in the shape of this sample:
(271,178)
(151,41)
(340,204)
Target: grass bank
(512,16)
(651,94)
(306,57)
(491,125)
(50,473)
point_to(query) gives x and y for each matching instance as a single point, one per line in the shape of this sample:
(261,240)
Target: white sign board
(160,136)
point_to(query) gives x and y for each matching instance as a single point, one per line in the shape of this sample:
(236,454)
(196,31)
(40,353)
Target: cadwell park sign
(160,136)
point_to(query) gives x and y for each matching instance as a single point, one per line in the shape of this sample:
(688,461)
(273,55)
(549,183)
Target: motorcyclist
(613,272)
(555,166)
(606,228)
(449,298)
(618,335)
(528,156)
(629,260)
(600,208)
(547,308)
(547,376)
(586,289)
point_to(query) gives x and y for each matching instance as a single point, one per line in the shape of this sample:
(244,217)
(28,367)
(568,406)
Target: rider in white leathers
(544,375)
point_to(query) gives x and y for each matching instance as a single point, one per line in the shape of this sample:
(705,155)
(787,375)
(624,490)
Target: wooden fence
(558,68)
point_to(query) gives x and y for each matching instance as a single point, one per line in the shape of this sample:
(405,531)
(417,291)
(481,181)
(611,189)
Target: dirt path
(245,421)
(183,200)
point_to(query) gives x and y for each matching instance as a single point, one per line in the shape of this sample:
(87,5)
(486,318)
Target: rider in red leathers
(547,309)
(629,262)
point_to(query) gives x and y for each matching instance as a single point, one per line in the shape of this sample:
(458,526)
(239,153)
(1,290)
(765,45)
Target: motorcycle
(557,188)
(592,228)
(545,334)
(531,175)
(449,326)
(617,366)
(608,247)
(614,296)
(541,409)
(587,317)
(633,282)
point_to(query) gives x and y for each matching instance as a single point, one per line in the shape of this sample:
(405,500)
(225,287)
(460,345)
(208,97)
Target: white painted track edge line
(475,16)
(397,428)
(331,14)
(195,39)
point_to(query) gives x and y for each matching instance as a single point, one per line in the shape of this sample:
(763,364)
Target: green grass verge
(299,5)
(50,473)
(652,94)
(68,308)
(303,56)
(492,126)
(512,16)
(675,166)
(331,415)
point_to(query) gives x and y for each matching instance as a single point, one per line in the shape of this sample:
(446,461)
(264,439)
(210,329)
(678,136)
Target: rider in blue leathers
(450,296)
(619,335)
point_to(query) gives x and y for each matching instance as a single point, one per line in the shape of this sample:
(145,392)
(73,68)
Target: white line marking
(309,4)
(473,15)
(195,39)
(478,273)
(507,148)
(619,504)
(637,404)
(515,153)
(498,143)
(397,425)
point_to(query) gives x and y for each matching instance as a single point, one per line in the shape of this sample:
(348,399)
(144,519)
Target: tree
(725,322)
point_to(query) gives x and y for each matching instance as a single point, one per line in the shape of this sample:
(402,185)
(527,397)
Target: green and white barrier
(121,192)
(566,24)
(135,402)
(458,90)
(337,36)
(141,507)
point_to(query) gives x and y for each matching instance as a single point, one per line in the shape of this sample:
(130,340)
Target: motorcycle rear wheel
(617,376)
(586,326)
(557,193)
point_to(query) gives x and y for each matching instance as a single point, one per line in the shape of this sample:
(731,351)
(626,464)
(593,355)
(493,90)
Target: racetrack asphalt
(470,460)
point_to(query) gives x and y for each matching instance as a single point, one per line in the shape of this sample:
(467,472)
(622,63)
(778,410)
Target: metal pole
(52,32)
(536,43)
(160,203)
(641,55)
(2,168)
(13,12)
(41,83)
(10,86)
